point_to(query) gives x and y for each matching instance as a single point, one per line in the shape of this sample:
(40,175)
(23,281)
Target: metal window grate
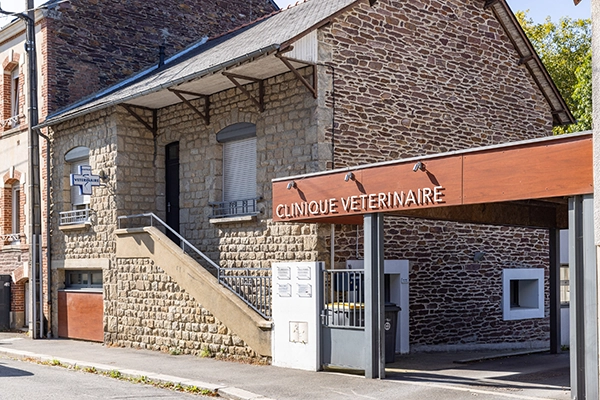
(235,207)
(74,217)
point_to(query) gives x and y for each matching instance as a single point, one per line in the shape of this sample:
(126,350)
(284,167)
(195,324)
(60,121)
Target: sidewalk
(537,376)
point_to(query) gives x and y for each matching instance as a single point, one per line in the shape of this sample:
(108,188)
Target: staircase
(229,301)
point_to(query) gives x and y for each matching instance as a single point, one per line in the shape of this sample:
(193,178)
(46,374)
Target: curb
(226,392)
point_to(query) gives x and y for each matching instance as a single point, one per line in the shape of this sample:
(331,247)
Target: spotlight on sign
(291,185)
(419,166)
(349,176)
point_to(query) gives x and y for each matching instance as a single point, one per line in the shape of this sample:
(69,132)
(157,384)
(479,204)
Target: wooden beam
(312,88)
(153,127)
(525,59)
(489,3)
(261,90)
(204,115)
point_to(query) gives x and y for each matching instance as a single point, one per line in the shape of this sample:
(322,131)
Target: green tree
(566,50)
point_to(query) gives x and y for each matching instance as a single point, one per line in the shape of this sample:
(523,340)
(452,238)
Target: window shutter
(239,169)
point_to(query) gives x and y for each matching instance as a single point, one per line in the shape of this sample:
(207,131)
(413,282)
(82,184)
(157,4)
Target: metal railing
(12,237)
(251,285)
(343,298)
(235,207)
(74,217)
(11,122)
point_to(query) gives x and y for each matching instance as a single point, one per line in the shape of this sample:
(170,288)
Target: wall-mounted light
(478,256)
(291,185)
(419,166)
(103,175)
(349,176)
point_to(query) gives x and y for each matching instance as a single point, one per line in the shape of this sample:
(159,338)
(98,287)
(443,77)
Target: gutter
(58,119)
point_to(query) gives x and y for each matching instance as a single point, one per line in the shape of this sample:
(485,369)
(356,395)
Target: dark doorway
(5,282)
(172,188)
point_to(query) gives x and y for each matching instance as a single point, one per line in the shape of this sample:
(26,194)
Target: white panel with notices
(295,311)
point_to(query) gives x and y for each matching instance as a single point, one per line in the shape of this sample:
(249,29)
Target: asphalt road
(26,380)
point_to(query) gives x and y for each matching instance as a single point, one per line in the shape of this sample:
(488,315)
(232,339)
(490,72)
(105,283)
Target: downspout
(48,237)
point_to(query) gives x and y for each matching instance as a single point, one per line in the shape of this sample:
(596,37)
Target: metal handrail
(263,307)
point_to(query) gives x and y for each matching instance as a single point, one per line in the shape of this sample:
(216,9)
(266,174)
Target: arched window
(75,158)
(239,170)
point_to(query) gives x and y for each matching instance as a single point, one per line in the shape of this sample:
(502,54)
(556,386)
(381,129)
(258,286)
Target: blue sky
(538,9)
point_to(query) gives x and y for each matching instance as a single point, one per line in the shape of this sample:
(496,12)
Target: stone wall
(415,78)
(91,45)
(135,163)
(419,77)
(153,312)
(286,137)
(456,302)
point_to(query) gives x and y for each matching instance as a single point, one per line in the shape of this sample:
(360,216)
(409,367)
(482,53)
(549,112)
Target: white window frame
(16,209)
(15,92)
(530,284)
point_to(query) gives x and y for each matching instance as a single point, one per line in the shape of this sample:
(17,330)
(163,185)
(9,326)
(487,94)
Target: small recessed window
(85,279)
(523,293)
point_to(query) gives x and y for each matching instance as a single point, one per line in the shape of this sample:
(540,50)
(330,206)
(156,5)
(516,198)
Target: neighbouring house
(185,153)
(82,47)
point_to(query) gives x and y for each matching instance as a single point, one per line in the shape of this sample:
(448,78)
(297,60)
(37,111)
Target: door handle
(168,207)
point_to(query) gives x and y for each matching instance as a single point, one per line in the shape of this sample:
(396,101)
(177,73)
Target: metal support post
(555,291)
(584,299)
(374,307)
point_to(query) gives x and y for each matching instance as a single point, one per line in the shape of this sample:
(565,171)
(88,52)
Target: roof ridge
(295,4)
(247,24)
(264,17)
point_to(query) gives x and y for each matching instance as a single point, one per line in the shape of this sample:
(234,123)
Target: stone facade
(127,151)
(411,83)
(84,46)
(408,78)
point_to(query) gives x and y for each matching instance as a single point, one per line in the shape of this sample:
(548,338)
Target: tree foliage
(566,50)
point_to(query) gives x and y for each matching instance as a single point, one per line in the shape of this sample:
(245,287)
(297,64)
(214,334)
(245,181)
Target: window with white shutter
(239,170)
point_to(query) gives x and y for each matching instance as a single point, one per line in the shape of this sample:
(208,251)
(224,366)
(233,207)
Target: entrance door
(172,188)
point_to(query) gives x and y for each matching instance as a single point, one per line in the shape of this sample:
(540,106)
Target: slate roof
(266,36)
(209,56)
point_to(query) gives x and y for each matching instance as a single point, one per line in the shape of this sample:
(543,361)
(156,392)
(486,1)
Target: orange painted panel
(560,168)
(384,188)
(80,315)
